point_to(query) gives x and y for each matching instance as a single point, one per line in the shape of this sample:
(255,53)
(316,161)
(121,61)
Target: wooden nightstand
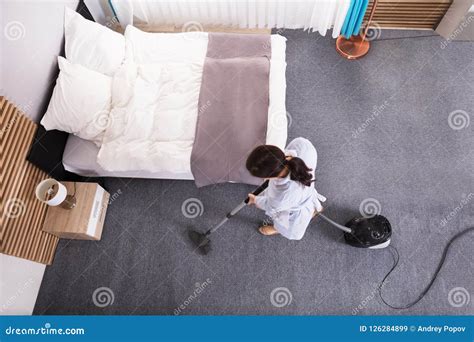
(86,220)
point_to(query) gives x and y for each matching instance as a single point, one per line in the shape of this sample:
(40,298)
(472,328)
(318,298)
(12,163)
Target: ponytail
(267,161)
(299,171)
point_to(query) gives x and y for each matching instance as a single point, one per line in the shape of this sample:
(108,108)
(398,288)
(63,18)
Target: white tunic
(289,203)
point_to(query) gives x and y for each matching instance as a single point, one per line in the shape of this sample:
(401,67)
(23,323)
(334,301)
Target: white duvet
(155,97)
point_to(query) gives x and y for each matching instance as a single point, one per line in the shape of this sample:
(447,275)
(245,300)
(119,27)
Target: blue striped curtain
(354,17)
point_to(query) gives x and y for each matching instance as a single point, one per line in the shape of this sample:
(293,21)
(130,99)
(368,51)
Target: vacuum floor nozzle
(201,241)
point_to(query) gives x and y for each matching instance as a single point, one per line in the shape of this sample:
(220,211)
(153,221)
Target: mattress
(80,156)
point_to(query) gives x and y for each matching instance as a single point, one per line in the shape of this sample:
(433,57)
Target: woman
(290,199)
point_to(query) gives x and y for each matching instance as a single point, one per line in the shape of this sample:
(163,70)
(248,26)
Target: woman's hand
(251,199)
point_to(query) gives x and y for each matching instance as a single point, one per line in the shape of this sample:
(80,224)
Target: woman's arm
(258,201)
(270,205)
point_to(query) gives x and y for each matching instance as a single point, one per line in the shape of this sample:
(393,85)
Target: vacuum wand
(202,241)
(238,208)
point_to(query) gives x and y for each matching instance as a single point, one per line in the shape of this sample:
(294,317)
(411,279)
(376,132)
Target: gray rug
(392,133)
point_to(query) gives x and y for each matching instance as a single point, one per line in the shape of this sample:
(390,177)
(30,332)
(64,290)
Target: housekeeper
(290,200)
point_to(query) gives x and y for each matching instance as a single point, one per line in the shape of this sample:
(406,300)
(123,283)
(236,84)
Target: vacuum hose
(335,224)
(433,278)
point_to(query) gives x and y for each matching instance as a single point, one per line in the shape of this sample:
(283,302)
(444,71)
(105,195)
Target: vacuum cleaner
(372,232)
(365,232)
(362,232)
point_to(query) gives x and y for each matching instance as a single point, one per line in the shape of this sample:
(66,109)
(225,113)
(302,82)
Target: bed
(83,155)
(80,156)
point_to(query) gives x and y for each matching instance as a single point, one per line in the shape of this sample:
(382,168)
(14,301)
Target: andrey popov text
(439,329)
(413,328)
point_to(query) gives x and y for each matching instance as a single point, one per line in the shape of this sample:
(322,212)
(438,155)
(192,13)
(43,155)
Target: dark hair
(267,161)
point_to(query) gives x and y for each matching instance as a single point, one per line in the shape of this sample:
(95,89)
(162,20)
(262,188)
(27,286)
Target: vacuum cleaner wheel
(369,232)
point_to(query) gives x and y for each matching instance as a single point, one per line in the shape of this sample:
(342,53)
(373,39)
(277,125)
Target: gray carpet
(404,155)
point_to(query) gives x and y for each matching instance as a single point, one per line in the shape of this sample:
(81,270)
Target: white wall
(19,285)
(31,38)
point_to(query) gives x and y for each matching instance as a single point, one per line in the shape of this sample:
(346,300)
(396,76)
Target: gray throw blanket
(233,107)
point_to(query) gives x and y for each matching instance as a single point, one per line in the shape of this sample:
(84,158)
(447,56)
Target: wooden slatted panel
(22,214)
(408,13)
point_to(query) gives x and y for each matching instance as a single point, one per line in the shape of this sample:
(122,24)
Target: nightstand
(83,222)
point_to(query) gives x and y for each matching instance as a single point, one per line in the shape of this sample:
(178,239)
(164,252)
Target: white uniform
(289,203)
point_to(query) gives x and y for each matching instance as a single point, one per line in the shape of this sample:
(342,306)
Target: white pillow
(80,103)
(92,45)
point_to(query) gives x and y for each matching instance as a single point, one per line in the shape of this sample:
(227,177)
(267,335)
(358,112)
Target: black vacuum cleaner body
(365,232)
(369,232)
